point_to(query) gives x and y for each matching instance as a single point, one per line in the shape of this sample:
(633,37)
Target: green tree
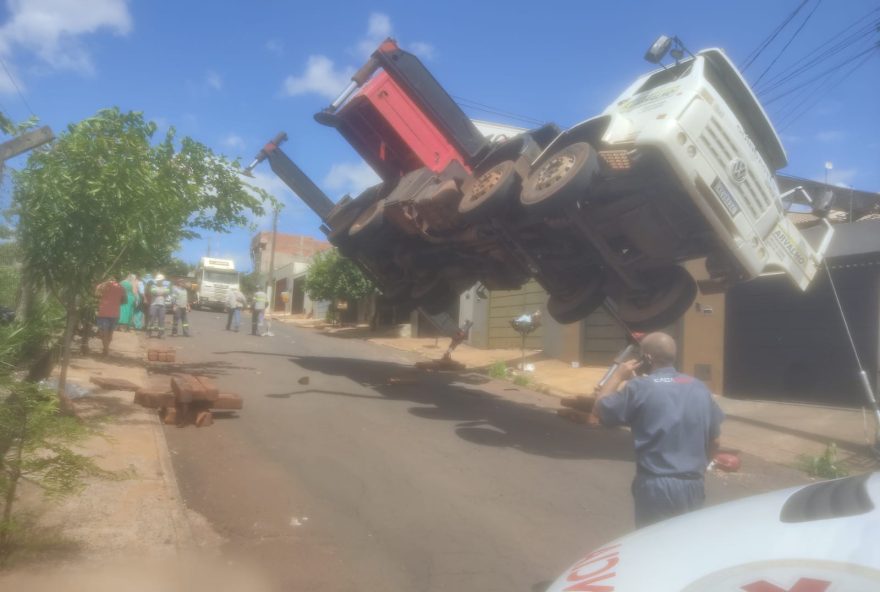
(105,199)
(177,267)
(334,277)
(35,445)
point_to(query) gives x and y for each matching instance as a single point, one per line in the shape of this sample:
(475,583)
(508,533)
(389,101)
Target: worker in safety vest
(180,302)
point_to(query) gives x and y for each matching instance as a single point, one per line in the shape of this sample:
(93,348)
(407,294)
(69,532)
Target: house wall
(472,307)
(701,343)
(506,305)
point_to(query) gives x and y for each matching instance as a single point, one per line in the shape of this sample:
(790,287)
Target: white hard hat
(160,277)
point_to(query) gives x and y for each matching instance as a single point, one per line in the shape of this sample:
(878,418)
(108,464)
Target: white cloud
(214,80)
(351,178)
(275,46)
(52,29)
(321,77)
(233,141)
(831,136)
(378,28)
(422,49)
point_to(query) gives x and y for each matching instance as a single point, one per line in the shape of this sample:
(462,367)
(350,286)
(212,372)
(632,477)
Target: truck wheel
(484,194)
(368,222)
(572,306)
(670,295)
(564,175)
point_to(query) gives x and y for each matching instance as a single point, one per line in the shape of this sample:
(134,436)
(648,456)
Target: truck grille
(719,145)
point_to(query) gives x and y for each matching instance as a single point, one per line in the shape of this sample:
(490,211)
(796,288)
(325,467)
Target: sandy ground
(133,528)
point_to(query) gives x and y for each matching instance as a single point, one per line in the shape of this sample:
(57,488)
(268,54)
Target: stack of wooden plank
(577,409)
(188,399)
(161,354)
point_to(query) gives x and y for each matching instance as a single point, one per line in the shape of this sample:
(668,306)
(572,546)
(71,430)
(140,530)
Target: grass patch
(521,380)
(825,465)
(498,370)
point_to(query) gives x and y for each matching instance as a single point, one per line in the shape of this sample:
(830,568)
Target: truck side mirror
(659,49)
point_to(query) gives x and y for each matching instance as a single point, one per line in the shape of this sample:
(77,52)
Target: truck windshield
(221,277)
(669,74)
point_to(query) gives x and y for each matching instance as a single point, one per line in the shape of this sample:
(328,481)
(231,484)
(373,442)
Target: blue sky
(232,74)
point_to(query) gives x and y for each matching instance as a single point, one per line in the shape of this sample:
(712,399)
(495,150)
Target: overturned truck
(680,166)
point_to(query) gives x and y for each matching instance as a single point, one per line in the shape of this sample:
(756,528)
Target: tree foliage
(334,277)
(175,267)
(105,199)
(35,445)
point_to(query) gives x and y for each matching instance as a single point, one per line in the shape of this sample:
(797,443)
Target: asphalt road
(374,476)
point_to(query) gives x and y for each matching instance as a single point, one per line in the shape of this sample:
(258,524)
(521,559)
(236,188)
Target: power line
(494,111)
(839,41)
(818,96)
(819,76)
(793,37)
(15,84)
(756,53)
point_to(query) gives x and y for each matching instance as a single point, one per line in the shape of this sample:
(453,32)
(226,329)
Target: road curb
(182,527)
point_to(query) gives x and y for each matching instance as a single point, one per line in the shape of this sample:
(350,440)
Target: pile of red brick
(156,354)
(188,399)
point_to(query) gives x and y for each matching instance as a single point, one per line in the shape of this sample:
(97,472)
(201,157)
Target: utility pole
(270,293)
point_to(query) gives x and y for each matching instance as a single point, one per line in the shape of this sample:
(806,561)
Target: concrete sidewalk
(776,431)
(141,514)
(137,518)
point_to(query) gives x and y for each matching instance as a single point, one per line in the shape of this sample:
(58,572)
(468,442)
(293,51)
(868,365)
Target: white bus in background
(215,278)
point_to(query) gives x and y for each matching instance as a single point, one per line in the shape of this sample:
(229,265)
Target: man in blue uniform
(675,424)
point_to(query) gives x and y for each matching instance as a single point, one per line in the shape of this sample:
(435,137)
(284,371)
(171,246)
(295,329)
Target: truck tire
(562,176)
(671,294)
(485,194)
(570,307)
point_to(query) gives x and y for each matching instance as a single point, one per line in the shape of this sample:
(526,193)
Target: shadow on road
(200,368)
(481,417)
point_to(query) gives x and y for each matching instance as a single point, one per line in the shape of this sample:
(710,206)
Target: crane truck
(680,166)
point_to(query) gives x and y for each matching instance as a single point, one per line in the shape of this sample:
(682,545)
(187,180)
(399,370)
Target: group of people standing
(236,301)
(140,304)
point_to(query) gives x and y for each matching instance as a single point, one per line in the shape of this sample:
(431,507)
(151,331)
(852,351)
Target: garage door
(782,343)
(505,305)
(602,339)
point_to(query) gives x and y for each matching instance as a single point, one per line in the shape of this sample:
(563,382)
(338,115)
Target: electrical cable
(793,37)
(838,42)
(818,95)
(488,109)
(780,80)
(756,53)
(819,76)
(863,376)
(15,84)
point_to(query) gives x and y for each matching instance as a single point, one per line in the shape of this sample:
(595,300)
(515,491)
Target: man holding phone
(675,424)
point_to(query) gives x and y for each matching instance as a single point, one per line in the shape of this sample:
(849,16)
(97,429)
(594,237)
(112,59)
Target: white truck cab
(704,118)
(215,278)
(679,167)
